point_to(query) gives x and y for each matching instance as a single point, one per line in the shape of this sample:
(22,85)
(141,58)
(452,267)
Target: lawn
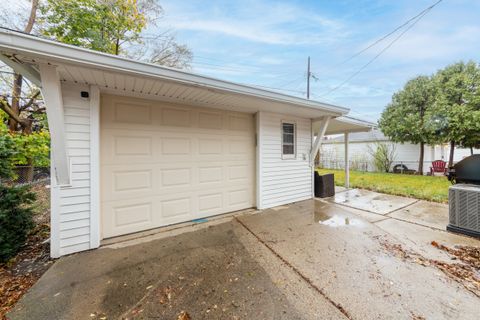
(420,187)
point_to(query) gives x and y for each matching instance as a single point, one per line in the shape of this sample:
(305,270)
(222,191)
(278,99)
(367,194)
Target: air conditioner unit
(464,201)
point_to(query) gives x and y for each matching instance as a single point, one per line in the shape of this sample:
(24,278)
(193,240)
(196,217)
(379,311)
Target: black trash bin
(324,185)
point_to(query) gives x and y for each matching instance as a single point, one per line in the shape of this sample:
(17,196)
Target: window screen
(288,139)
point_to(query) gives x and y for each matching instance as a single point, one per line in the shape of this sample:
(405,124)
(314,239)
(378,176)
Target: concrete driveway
(311,260)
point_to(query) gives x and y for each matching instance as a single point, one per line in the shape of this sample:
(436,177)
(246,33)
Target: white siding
(73,202)
(282,181)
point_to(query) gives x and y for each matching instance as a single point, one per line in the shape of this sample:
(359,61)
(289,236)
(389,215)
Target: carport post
(347,162)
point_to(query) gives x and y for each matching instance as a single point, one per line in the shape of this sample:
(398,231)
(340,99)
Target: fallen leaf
(183,316)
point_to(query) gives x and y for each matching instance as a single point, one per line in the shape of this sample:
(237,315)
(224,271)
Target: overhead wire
(421,13)
(390,44)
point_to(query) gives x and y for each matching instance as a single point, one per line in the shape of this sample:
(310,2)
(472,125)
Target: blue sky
(266,42)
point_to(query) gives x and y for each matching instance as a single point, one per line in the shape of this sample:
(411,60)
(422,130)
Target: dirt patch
(22,271)
(466,271)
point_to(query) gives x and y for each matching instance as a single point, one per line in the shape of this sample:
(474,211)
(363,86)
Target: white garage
(137,146)
(163,164)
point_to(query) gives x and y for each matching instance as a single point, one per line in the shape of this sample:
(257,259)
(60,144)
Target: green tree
(408,117)
(113,26)
(458,101)
(97,25)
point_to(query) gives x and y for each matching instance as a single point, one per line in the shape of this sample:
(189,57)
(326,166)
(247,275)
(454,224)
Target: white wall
(71,205)
(280,180)
(332,155)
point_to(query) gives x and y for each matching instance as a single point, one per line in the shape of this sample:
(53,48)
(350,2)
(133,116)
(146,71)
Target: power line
(295,80)
(275,88)
(421,13)
(195,57)
(238,68)
(375,57)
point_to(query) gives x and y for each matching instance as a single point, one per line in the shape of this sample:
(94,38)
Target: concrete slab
(418,238)
(339,189)
(370,217)
(207,273)
(372,201)
(342,253)
(426,213)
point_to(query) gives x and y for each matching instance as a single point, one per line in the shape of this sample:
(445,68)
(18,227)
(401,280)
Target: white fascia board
(340,131)
(39,48)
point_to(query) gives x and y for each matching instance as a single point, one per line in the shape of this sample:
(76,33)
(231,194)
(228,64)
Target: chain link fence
(28,175)
(405,167)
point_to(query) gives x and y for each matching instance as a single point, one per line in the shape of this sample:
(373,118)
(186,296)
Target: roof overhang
(117,75)
(345,124)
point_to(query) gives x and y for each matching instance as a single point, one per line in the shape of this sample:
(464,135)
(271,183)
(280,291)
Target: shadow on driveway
(207,273)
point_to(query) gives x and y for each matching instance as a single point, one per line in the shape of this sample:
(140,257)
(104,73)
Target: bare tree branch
(31,101)
(5,107)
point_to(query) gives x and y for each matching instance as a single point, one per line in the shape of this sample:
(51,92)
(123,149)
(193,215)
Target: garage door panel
(176,117)
(210,174)
(176,177)
(172,146)
(170,164)
(154,180)
(124,112)
(240,122)
(133,181)
(118,147)
(126,217)
(210,120)
(176,207)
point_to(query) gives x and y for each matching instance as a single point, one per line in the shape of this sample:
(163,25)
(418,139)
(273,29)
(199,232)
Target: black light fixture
(84,94)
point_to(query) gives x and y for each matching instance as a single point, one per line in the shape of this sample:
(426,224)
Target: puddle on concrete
(335,220)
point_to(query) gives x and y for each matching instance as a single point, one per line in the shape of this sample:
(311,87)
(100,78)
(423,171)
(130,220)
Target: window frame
(294,155)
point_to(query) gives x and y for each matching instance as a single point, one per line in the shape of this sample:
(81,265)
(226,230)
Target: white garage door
(164,164)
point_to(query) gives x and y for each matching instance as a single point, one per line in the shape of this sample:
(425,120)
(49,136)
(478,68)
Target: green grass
(420,187)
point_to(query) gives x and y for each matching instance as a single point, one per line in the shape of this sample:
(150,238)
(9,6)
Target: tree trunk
(18,78)
(32,18)
(16,94)
(452,152)
(117,46)
(471,151)
(420,161)
(27,129)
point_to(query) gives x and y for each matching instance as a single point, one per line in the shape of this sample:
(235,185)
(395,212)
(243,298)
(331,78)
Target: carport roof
(344,124)
(123,76)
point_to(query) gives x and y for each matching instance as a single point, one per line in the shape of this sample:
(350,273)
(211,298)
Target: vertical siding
(283,180)
(332,155)
(74,200)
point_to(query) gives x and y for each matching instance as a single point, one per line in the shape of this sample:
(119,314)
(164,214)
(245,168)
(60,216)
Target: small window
(288,140)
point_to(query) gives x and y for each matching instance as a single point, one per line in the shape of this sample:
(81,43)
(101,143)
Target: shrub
(16,211)
(383,155)
(7,147)
(16,219)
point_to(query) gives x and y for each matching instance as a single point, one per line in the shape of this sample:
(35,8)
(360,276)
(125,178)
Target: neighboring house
(137,146)
(361,144)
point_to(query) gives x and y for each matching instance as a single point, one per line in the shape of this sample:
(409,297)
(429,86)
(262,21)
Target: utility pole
(308,78)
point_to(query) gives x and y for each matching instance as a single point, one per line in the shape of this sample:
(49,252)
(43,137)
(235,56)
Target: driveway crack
(337,305)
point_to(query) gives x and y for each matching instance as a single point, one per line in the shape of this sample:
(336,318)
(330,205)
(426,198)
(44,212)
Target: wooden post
(318,140)
(52,95)
(347,162)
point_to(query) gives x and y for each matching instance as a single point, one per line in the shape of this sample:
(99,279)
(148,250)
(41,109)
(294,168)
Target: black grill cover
(324,185)
(467,170)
